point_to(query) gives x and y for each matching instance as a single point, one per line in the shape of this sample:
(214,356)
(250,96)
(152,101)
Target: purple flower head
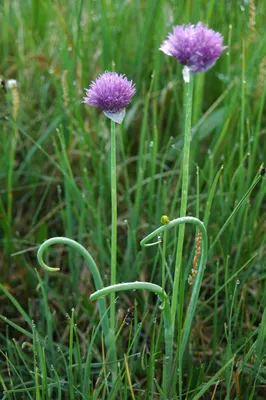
(112,93)
(194,46)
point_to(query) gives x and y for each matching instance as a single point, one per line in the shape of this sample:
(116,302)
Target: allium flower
(112,93)
(194,46)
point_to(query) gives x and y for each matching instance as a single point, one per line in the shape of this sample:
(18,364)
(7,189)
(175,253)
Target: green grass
(55,180)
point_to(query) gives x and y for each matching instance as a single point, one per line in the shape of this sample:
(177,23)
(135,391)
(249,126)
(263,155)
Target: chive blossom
(194,46)
(110,92)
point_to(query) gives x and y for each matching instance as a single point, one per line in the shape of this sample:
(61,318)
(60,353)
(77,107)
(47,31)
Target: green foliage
(55,181)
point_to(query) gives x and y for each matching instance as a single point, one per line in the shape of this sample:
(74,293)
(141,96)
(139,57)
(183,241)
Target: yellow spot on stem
(165,220)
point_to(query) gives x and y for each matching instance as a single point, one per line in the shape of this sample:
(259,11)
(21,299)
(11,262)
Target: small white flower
(11,83)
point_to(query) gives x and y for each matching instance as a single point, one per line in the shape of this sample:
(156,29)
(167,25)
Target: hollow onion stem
(108,332)
(114,222)
(197,282)
(151,287)
(184,192)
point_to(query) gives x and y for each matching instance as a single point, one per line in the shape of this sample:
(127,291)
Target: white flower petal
(116,116)
(186,74)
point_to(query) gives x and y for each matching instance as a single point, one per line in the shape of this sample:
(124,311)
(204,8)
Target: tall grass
(58,184)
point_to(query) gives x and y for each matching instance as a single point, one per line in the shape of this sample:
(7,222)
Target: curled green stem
(119,287)
(94,271)
(151,287)
(197,282)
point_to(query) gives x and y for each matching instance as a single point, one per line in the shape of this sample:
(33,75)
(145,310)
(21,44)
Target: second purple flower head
(194,46)
(112,93)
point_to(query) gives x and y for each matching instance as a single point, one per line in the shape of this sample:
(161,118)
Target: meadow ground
(55,181)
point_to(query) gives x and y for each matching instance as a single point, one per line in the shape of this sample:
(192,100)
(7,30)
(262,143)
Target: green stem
(151,287)
(184,194)
(183,210)
(114,223)
(197,282)
(119,287)
(91,264)
(164,259)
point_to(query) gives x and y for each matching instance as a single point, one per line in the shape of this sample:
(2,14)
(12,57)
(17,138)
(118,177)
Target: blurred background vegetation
(55,179)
